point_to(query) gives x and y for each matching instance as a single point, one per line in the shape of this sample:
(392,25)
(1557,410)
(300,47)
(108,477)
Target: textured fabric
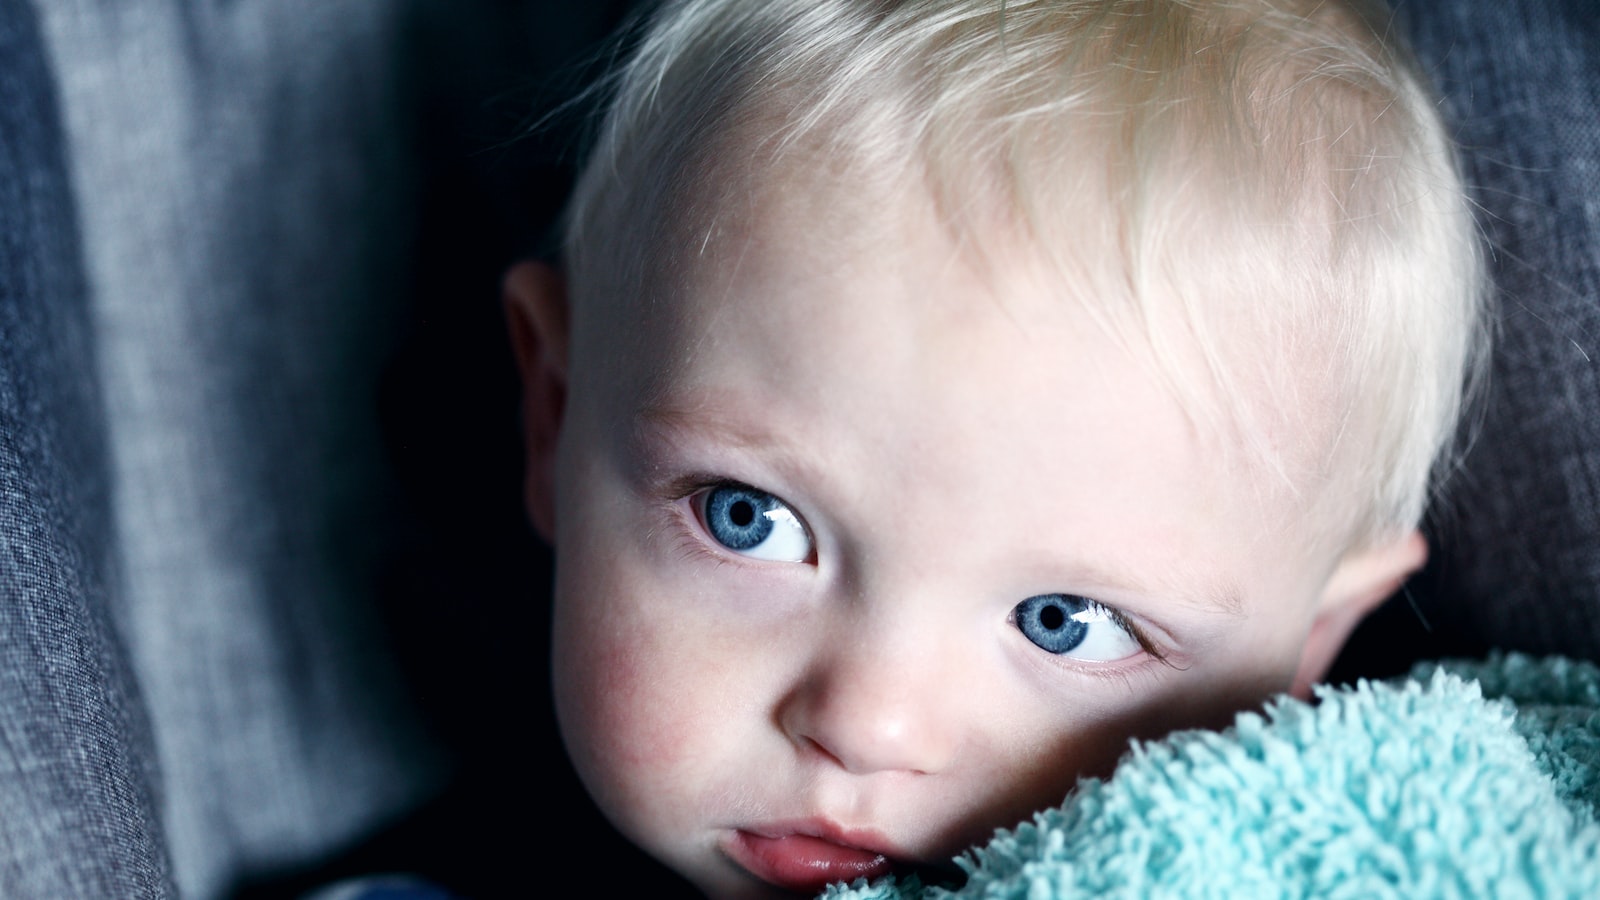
(293,253)
(1436,786)
(77,808)
(1517,541)
(247,195)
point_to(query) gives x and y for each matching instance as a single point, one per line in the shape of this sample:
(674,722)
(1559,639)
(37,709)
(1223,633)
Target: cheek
(651,704)
(1028,776)
(627,705)
(1048,744)
(623,699)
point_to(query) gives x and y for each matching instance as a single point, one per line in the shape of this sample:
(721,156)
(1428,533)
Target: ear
(536,315)
(1361,581)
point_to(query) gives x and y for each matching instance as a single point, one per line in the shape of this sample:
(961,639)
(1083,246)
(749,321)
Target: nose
(872,706)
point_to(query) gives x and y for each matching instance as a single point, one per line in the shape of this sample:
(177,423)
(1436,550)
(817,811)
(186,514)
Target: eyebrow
(703,419)
(700,416)
(1222,599)
(1126,578)
(1226,602)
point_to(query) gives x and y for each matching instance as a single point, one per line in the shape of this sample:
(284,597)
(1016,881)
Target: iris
(738,517)
(1057,623)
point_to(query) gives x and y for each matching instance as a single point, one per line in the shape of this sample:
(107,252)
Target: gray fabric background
(78,787)
(293,215)
(1516,536)
(237,165)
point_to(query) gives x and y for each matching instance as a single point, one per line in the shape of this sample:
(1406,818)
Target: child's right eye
(753,523)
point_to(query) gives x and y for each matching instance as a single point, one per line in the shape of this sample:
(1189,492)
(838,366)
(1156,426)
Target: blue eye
(754,523)
(1077,627)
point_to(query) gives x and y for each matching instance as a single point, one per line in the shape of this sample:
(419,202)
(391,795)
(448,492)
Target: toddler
(937,394)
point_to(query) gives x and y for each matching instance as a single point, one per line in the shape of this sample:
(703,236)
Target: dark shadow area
(466,586)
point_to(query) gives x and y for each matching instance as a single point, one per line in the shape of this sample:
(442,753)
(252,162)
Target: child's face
(823,540)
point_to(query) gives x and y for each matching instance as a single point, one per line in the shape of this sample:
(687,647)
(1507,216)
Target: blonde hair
(1259,193)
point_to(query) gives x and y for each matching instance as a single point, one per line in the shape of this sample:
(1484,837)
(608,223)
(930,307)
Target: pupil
(742,513)
(1052,618)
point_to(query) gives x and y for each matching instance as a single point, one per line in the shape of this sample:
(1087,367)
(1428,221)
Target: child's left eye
(753,523)
(1075,627)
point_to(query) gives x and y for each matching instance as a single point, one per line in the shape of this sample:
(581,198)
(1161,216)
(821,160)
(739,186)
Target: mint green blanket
(1465,780)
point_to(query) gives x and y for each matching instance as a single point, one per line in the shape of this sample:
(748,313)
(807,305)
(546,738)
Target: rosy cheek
(639,714)
(631,712)
(599,686)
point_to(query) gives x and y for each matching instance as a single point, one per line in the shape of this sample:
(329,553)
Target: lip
(807,856)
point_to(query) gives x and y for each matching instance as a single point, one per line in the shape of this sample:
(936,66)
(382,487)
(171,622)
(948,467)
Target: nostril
(861,751)
(819,749)
(862,719)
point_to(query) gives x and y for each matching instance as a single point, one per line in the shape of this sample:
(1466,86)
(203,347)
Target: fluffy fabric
(1464,780)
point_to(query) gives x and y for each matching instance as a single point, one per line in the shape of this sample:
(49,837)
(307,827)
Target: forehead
(842,349)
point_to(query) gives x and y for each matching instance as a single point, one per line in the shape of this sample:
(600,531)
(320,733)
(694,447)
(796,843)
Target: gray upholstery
(237,166)
(1516,538)
(77,780)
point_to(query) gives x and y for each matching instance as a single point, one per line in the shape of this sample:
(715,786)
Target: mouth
(807,856)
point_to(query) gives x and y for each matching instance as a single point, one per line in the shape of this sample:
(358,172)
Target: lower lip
(801,862)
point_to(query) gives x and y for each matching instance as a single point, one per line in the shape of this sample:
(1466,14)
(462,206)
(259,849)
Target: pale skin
(941,444)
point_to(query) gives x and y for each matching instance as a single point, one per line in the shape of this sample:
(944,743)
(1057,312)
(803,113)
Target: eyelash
(1138,634)
(693,541)
(1124,671)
